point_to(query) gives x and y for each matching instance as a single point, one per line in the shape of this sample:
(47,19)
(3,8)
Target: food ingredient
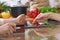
(48,9)
(5,15)
(34,13)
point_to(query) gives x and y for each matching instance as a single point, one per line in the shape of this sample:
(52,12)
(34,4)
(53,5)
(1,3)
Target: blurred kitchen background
(31,4)
(45,3)
(51,3)
(14,2)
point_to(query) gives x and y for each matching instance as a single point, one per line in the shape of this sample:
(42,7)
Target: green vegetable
(44,9)
(48,9)
(4,7)
(54,10)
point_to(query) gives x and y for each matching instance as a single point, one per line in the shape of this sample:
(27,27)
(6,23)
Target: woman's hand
(42,17)
(8,28)
(20,20)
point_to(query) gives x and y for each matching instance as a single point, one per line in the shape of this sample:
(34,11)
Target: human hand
(42,17)
(8,28)
(21,19)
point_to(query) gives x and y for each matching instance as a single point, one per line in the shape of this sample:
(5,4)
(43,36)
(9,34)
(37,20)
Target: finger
(21,15)
(41,17)
(8,26)
(13,25)
(21,19)
(5,28)
(35,20)
(37,17)
(8,33)
(11,30)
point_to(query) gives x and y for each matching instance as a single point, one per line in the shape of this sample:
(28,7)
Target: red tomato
(35,24)
(32,14)
(37,11)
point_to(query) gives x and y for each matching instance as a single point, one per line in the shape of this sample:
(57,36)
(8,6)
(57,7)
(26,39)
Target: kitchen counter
(14,36)
(31,35)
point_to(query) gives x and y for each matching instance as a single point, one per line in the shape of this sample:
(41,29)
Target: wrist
(50,15)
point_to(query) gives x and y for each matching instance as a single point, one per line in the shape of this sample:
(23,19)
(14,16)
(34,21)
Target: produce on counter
(3,10)
(3,7)
(33,13)
(48,9)
(5,15)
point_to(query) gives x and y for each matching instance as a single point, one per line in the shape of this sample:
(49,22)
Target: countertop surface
(14,36)
(55,31)
(30,35)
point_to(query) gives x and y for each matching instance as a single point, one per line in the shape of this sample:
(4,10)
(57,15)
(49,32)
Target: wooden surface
(15,36)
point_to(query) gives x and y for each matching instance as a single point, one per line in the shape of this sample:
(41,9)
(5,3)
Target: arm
(45,16)
(55,16)
(19,20)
